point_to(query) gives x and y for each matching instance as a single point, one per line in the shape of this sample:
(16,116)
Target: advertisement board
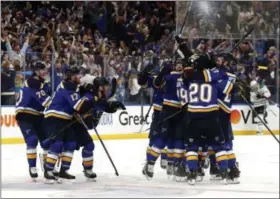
(128,124)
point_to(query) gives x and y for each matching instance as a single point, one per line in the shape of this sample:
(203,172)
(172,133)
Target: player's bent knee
(70,146)
(31,141)
(57,147)
(89,146)
(159,143)
(45,145)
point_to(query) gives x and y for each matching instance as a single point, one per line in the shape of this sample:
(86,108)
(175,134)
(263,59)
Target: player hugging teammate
(195,116)
(67,111)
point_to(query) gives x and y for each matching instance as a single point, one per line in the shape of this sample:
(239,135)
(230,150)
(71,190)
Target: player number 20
(201,93)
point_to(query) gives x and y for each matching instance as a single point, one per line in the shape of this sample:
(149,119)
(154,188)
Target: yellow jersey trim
(224,108)
(206,78)
(57,116)
(28,112)
(202,110)
(172,104)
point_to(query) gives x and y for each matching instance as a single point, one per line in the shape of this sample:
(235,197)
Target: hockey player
(259,96)
(83,138)
(146,80)
(29,114)
(225,103)
(64,103)
(171,133)
(102,83)
(203,118)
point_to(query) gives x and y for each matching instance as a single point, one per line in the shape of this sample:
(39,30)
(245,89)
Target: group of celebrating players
(191,121)
(60,122)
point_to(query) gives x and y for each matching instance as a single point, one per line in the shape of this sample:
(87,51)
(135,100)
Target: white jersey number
(202,93)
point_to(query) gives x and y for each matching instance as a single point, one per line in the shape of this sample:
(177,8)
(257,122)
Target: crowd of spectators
(116,39)
(223,23)
(216,19)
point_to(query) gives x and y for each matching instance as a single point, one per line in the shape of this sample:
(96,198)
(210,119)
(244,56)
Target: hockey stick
(54,135)
(113,88)
(182,28)
(241,40)
(235,46)
(270,110)
(145,118)
(163,43)
(246,101)
(170,116)
(104,147)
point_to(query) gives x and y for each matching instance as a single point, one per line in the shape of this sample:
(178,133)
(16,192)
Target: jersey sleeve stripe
(20,98)
(58,114)
(79,103)
(47,101)
(223,106)
(207,75)
(157,107)
(228,88)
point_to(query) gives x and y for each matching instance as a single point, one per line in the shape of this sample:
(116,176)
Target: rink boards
(128,124)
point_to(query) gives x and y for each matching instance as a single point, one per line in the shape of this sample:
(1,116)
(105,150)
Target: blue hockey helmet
(39,66)
(40,69)
(71,71)
(202,61)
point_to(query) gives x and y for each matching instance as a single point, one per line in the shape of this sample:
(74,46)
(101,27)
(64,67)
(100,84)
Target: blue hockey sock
(179,150)
(87,154)
(231,155)
(163,155)
(192,160)
(212,156)
(155,150)
(31,156)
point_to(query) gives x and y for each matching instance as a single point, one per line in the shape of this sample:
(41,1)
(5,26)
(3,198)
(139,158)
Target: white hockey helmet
(254,85)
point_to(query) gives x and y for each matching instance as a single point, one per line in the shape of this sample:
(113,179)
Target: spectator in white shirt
(17,53)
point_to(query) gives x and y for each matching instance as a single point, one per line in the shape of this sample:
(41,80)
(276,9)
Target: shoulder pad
(69,86)
(231,77)
(214,70)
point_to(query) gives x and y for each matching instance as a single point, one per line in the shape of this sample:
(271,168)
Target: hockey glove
(166,69)
(99,81)
(142,79)
(112,107)
(86,88)
(259,96)
(148,69)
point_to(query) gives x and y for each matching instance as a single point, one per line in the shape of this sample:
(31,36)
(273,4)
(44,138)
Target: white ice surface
(258,158)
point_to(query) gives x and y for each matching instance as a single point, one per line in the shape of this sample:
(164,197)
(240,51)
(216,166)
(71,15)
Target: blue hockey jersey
(203,97)
(65,101)
(170,87)
(32,97)
(157,95)
(214,74)
(224,100)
